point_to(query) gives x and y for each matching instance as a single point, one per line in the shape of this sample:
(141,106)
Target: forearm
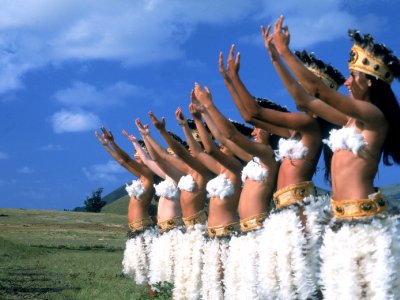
(193,144)
(208,143)
(247,100)
(220,122)
(172,143)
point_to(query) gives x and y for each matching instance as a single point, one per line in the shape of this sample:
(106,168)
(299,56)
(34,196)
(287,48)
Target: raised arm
(203,156)
(144,156)
(361,110)
(304,101)
(157,152)
(176,147)
(194,146)
(228,161)
(118,154)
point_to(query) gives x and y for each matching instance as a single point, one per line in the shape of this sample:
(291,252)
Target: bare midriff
(222,211)
(192,202)
(168,208)
(352,176)
(255,197)
(294,171)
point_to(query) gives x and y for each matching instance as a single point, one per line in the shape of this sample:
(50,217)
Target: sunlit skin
(219,161)
(352,175)
(191,202)
(137,208)
(255,195)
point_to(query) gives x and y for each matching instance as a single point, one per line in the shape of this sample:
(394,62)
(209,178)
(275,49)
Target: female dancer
(224,192)
(187,283)
(360,254)
(169,220)
(292,270)
(141,191)
(258,179)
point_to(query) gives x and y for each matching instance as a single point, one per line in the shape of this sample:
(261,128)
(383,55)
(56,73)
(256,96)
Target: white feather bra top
(290,148)
(136,189)
(167,189)
(346,138)
(220,187)
(186,183)
(254,171)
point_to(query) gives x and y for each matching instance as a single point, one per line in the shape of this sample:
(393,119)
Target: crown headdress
(374,59)
(328,74)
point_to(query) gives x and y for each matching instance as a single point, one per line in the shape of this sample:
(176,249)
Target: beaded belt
(223,230)
(359,208)
(198,218)
(293,193)
(169,224)
(140,225)
(253,222)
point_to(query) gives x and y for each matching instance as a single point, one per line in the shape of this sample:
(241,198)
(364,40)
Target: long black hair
(381,95)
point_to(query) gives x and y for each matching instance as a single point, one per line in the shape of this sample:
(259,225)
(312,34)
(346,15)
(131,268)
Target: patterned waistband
(198,218)
(140,225)
(293,193)
(169,224)
(223,230)
(253,222)
(359,208)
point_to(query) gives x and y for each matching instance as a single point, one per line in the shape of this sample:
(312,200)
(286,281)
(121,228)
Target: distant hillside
(392,193)
(118,206)
(115,195)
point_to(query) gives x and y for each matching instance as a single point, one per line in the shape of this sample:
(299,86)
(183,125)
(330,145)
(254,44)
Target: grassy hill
(115,194)
(118,206)
(48,254)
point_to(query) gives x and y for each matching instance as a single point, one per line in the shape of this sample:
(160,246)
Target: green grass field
(63,255)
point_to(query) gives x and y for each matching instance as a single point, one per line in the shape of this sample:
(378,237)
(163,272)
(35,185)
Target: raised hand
(203,96)
(160,125)
(180,117)
(101,138)
(233,64)
(143,129)
(131,137)
(281,36)
(273,53)
(107,134)
(194,111)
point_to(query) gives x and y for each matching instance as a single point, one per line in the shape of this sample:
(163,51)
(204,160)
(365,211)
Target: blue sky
(67,67)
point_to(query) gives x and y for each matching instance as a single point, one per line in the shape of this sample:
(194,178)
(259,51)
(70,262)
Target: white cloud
(51,147)
(25,170)
(81,94)
(141,32)
(103,172)
(313,21)
(69,121)
(3,155)
(131,32)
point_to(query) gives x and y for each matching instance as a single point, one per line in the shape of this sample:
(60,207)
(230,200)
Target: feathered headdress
(374,59)
(328,74)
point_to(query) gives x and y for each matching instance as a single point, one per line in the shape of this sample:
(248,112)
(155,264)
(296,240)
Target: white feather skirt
(361,259)
(242,265)
(215,252)
(163,256)
(136,256)
(189,264)
(288,256)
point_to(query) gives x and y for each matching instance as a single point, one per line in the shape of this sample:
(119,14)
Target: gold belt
(198,218)
(140,225)
(223,230)
(169,224)
(253,222)
(293,193)
(359,208)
